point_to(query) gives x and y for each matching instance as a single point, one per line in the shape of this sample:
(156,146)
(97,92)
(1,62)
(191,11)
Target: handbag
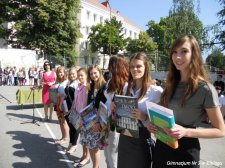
(53,95)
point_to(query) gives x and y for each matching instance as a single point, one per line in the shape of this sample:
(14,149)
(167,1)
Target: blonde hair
(100,81)
(61,68)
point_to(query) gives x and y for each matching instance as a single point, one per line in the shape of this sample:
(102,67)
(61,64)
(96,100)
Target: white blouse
(153,95)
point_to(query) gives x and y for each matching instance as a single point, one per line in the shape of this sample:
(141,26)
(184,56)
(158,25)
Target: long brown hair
(119,69)
(146,78)
(196,72)
(100,81)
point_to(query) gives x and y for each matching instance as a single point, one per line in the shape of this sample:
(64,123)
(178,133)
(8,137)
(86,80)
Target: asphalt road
(24,144)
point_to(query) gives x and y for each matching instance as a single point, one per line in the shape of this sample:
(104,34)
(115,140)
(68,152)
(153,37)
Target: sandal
(61,141)
(83,164)
(72,149)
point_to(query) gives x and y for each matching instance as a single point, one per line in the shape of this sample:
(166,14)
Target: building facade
(93,12)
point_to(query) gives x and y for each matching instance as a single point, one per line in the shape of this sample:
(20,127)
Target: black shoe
(81,165)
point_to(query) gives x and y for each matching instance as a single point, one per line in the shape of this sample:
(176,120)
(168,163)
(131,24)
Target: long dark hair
(119,69)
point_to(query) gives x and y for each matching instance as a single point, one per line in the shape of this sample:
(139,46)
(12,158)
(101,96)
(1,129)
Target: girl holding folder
(191,96)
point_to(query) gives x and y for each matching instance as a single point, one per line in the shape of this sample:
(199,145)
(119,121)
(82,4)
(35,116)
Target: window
(88,15)
(125,31)
(135,35)
(87,30)
(94,17)
(130,33)
(86,44)
(101,19)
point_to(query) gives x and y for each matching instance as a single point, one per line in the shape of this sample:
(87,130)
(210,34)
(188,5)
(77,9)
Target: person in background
(24,76)
(15,71)
(221,100)
(35,73)
(191,96)
(31,75)
(134,152)
(119,70)
(70,91)
(47,81)
(219,82)
(1,75)
(61,83)
(20,77)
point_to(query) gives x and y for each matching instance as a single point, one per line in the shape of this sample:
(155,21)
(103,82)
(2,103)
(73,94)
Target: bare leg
(95,157)
(51,111)
(86,155)
(65,129)
(46,111)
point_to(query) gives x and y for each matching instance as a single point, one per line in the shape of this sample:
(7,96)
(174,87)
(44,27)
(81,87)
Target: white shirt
(109,96)
(61,87)
(222,100)
(153,94)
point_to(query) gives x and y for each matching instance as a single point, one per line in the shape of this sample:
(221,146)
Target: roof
(106,6)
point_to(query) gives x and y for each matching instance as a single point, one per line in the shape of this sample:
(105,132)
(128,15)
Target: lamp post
(110,31)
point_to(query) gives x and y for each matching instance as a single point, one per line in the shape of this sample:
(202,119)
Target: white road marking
(60,149)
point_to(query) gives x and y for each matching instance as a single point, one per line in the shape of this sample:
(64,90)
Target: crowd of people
(188,91)
(14,76)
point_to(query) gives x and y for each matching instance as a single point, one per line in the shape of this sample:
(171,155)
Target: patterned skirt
(90,139)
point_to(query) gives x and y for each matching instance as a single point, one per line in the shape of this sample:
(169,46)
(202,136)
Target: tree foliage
(107,38)
(216,59)
(50,26)
(182,20)
(144,43)
(221,35)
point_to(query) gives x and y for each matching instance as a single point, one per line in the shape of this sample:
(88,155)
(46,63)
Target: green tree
(143,44)
(50,26)
(221,35)
(216,59)
(107,38)
(181,20)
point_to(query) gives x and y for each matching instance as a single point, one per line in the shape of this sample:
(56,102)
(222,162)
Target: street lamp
(110,31)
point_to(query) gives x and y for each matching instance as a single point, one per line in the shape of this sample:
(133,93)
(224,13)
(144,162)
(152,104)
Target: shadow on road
(35,151)
(23,106)
(26,118)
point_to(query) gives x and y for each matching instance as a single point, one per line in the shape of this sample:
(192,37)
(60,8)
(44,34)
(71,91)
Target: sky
(142,11)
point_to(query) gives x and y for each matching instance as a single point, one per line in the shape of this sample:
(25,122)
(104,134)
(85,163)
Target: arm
(222,108)
(217,130)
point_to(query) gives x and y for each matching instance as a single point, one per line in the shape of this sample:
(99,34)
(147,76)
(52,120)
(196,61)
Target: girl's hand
(177,132)
(151,128)
(81,123)
(139,115)
(96,127)
(112,107)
